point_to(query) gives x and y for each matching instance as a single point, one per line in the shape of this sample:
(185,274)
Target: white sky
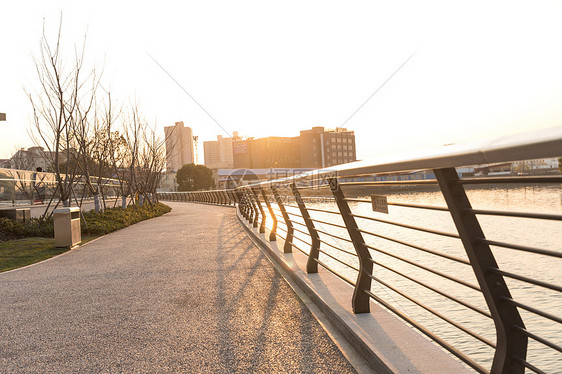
(264,68)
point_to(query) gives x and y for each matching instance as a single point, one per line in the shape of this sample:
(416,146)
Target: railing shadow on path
(249,290)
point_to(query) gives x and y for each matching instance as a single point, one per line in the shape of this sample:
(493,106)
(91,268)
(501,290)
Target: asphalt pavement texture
(187,292)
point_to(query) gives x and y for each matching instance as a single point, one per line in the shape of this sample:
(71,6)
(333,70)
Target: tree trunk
(97,202)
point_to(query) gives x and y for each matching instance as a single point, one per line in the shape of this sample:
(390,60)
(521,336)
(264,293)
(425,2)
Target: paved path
(185,292)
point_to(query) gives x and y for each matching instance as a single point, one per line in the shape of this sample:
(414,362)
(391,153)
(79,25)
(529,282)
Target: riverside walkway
(185,292)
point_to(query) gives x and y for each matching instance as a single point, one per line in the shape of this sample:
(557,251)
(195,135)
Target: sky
(422,73)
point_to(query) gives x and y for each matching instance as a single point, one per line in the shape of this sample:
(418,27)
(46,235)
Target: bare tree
(87,141)
(62,103)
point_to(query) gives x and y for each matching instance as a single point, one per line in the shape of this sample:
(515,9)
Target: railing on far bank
(24,187)
(483,283)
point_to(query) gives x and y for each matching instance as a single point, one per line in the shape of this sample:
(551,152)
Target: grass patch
(22,252)
(25,243)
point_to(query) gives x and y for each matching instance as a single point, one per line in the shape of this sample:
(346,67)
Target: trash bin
(67,226)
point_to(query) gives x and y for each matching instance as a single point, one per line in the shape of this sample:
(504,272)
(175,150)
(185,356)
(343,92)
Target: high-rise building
(275,152)
(241,152)
(219,154)
(322,148)
(314,148)
(179,146)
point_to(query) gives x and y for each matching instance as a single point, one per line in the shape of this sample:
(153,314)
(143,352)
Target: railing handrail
(512,334)
(544,143)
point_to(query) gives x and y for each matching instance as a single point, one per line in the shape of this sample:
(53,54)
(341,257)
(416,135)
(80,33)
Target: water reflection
(529,232)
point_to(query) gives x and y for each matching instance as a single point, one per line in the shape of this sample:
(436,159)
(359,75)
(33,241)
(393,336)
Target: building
(275,152)
(168,182)
(241,152)
(314,148)
(270,152)
(33,158)
(320,148)
(5,163)
(179,146)
(219,154)
(538,166)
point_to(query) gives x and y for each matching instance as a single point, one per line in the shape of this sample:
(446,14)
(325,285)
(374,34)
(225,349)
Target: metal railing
(24,187)
(446,267)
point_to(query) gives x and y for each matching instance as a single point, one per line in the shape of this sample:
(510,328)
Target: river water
(531,232)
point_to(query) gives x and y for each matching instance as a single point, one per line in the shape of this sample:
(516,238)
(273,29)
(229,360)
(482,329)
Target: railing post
(361,300)
(288,246)
(510,343)
(241,203)
(248,207)
(253,210)
(260,207)
(255,207)
(273,232)
(312,262)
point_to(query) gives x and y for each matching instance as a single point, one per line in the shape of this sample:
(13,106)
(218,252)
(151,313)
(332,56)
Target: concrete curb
(384,341)
(370,357)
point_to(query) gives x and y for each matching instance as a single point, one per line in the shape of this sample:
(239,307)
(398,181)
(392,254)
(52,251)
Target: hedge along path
(96,223)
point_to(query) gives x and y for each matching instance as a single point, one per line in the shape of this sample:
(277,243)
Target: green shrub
(96,223)
(117,218)
(34,227)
